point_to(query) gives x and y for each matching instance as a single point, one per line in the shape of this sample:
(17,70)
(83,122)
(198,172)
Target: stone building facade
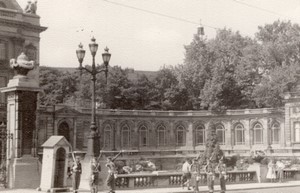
(19,32)
(238,131)
(177,134)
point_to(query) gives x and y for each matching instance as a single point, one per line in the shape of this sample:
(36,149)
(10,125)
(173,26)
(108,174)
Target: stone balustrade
(291,174)
(8,13)
(174,179)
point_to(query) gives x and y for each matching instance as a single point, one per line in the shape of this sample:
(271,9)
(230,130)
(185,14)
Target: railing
(290,174)
(160,180)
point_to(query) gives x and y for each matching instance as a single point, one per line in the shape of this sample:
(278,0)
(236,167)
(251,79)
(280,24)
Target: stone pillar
(227,133)
(189,136)
(266,133)
(247,134)
(23,165)
(172,138)
(135,140)
(118,137)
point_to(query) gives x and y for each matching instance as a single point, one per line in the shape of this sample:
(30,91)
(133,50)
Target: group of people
(94,177)
(273,166)
(210,171)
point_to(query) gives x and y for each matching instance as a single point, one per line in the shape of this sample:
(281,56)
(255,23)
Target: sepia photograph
(149,96)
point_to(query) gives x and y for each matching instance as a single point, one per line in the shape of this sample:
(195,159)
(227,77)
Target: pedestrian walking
(221,168)
(196,174)
(76,173)
(186,176)
(210,175)
(280,166)
(112,172)
(271,175)
(94,178)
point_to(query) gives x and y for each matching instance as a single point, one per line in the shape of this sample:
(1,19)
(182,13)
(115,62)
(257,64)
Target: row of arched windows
(199,134)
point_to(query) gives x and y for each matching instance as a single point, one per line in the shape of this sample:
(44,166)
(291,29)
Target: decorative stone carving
(22,65)
(31,52)
(31,7)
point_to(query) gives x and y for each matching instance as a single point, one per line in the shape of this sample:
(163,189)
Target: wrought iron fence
(3,141)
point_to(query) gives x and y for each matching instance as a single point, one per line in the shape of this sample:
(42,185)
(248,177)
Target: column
(172,138)
(118,135)
(189,136)
(228,141)
(135,136)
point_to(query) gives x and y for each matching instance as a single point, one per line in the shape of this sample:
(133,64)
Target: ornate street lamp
(93,141)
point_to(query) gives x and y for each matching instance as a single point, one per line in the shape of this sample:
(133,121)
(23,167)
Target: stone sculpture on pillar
(31,7)
(22,94)
(22,65)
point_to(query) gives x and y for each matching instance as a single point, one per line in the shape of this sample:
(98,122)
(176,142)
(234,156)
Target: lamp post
(93,142)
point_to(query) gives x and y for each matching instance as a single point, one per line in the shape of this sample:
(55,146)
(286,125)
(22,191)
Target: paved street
(270,190)
(287,187)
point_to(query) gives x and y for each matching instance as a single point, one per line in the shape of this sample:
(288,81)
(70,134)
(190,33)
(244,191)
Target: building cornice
(22,25)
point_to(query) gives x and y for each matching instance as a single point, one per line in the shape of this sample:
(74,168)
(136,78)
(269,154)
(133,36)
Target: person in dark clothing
(112,172)
(94,179)
(210,173)
(76,173)
(221,168)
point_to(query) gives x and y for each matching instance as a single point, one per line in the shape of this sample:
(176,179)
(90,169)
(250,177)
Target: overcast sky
(146,34)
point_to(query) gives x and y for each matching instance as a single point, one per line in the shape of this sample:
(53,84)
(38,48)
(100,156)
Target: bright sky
(137,34)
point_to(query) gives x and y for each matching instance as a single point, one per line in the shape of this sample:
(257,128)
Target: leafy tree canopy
(229,71)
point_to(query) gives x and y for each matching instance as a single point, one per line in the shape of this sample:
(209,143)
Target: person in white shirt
(186,177)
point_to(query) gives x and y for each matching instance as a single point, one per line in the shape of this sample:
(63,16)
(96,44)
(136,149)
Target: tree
(196,69)
(224,89)
(281,40)
(175,98)
(281,47)
(58,86)
(281,79)
(117,91)
(168,93)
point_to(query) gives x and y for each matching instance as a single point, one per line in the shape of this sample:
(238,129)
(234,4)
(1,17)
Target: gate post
(22,94)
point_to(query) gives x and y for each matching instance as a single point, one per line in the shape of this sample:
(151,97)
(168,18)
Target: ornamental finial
(22,65)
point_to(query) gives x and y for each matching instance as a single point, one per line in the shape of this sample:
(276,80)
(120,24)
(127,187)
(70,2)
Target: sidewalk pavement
(202,189)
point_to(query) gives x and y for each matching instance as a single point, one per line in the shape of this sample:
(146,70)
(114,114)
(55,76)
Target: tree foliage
(229,71)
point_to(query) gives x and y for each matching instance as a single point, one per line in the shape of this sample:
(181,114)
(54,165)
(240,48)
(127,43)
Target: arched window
(239,133)
(220,134)
(180,136)
(297,131)
(125,140)
(143,136)
(161,135)
(107,136)
(200,135)
(275,130)
(258,134)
